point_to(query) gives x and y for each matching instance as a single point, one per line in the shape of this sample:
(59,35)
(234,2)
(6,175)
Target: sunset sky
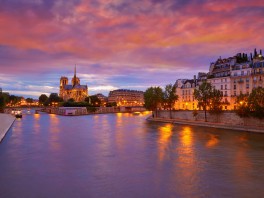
(131,44)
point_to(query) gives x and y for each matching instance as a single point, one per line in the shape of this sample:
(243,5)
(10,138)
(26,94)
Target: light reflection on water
(123,155)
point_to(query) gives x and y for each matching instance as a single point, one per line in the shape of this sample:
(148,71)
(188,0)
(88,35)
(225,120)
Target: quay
(208,124)
(228,120)
(77,111)
(6,122)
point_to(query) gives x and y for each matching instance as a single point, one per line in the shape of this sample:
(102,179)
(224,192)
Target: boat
(18,113)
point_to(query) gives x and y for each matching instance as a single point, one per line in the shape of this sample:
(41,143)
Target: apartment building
(125,97)
(233,76)
(185,91)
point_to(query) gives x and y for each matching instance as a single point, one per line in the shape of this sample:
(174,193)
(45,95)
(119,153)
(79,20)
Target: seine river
(124,156)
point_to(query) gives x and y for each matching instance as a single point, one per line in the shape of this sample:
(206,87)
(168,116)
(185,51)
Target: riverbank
(207,124)
(6,122)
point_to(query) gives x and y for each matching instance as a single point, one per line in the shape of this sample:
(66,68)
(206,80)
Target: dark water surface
(123,155)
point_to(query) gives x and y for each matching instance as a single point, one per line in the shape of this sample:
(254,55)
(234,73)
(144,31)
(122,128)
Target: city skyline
(119,44)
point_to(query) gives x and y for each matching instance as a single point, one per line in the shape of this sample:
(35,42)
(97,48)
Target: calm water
(122,155)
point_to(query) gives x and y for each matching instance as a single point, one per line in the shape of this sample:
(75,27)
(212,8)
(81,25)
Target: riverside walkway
(207,124)
(6,121)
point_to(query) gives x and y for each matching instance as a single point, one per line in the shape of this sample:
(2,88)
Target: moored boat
(18,113)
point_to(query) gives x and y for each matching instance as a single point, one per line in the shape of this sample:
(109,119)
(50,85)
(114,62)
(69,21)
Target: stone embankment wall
(227,117)
(6,122)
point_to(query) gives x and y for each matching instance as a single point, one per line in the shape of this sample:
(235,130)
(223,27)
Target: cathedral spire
(75,71)
(74,77)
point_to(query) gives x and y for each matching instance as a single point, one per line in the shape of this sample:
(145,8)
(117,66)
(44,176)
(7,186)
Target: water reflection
(122,155)
(186,166)
(186,150)
(212,141)
(36,125)
(54,132)
(119,133)
(165,133)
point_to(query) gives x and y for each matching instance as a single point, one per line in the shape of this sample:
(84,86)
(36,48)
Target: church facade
(74,90)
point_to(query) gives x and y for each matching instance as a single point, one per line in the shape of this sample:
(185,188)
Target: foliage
(203,96)
(94,100)
(71,100)
(43,98)
(153,96)
(256,102)
(209,98)
(111,104)
(215,105)
(13,100)
(29,100)
(252,104)
(53,98)
(169,96)
(3,100)
(2,103)
(243,109)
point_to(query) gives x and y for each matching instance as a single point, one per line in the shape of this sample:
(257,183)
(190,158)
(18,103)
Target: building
(233,76)
(219,77)
(185,91)
(125,97)
(102,98)
(74,90)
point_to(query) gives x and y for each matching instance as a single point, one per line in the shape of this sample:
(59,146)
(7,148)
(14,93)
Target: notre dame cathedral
(75,90)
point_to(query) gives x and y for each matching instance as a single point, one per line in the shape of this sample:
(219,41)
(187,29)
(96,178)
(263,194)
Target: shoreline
(6,123)
(207,124)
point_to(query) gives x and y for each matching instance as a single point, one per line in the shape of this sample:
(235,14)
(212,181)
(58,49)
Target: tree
(4,99)
(216,103)
(43,98)
(53,98)
(71,100)
(256,102)
(203,96)
(29,100)
(13,100)
(94,100)
(243,109)
(153,96)
(252,104)
(170,96)
(2,103)
(111,104)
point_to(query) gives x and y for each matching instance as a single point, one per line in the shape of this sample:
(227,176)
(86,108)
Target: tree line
(12,100)
(209,100)
(155,97)
(90,101)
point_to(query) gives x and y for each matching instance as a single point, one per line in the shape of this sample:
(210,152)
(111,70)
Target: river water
(123,155)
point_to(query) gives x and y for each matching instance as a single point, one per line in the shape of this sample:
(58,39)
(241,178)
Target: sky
(120,44)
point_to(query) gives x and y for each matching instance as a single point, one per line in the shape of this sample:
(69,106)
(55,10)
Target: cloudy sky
(131,44)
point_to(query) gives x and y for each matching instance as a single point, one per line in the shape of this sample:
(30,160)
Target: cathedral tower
(75,80)
(63,81)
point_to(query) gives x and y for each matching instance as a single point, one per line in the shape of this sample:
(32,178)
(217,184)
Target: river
(123,155)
